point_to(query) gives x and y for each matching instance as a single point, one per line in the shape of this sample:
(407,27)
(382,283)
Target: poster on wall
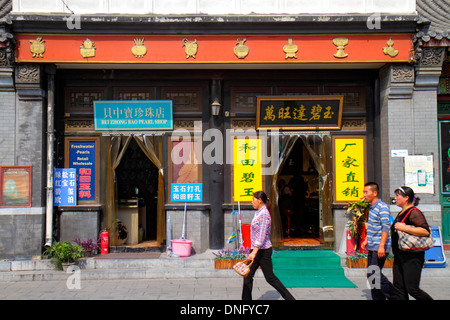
(247,168)
(419,173)
(349,168)
(15,188)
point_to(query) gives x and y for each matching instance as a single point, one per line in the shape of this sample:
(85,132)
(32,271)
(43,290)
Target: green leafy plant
(357,256)
(63,252)
(359,211)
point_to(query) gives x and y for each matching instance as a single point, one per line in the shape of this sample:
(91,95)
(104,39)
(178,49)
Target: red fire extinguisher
(104,242)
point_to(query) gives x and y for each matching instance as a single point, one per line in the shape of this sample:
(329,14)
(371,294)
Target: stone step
(111,263)
(128,273)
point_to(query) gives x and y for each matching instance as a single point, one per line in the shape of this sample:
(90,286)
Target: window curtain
(319,147)
(285,146)
(116,146)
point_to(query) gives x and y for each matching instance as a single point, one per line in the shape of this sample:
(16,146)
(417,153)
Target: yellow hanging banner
(247,168)
(349,168)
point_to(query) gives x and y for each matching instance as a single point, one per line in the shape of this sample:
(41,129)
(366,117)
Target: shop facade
(305,109)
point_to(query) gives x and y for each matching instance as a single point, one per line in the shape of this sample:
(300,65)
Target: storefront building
(196,106)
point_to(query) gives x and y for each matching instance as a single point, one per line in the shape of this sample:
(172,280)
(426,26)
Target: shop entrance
(137,190)
(302,189)
(298,198)
(133,190)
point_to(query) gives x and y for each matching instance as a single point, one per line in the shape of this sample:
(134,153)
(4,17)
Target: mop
(241,240)
(233,236)
(169,239)
(183,233)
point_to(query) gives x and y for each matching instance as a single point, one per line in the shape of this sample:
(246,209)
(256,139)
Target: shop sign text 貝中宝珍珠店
(133,115)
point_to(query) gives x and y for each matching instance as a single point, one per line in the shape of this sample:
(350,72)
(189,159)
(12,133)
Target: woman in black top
(408,265)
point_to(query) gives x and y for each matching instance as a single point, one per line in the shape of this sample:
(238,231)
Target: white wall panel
(217,7)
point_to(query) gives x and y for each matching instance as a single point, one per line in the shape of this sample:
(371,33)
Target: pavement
(172,279)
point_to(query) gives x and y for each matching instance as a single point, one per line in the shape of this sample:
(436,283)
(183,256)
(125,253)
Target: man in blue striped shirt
(378,243)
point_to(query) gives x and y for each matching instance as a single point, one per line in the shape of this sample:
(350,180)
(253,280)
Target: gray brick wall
(29,144)
(7,128)
(21,234)
(22,132)
(408,120)
(197,227)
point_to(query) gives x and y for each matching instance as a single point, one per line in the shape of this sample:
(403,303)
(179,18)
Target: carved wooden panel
(185,99)
(81,99)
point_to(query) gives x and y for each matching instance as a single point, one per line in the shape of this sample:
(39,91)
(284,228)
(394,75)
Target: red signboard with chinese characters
(193,49)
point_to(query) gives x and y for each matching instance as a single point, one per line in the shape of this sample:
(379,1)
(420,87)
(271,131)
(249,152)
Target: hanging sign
(65,187)
(133,115)
(82,158)
(299,113)
(247,168)
(349,168)
(186,192)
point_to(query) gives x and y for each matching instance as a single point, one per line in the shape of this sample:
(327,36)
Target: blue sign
(65,187)
(82,158)
(133,115)
(186,192)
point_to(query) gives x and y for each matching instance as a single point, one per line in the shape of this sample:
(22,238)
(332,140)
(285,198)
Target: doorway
(137,193)
(298,188)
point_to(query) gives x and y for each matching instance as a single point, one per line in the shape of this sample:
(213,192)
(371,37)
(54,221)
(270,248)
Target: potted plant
(89,246)
(357,260)
(357,225)
(62,253)
(226,258)
(389,260)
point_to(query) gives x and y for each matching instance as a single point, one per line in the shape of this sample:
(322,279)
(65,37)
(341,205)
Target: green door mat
(310,268)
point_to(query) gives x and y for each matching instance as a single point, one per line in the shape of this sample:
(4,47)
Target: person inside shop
(301,221)
(378,243)
(261,254)
(407,267)
(287,209)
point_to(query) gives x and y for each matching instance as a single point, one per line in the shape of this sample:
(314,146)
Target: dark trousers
(381,287)
(264,259)
(407,271)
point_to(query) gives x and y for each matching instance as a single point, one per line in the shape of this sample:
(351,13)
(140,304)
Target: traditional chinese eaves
(435,20)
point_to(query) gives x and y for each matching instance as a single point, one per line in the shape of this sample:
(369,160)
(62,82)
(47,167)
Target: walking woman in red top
(261,245)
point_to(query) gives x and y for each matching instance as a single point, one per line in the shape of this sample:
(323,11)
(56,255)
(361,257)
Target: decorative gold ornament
(389,50)
(37,47)
(290,50)
(87,50)
(190,48)
(340,43)
(139,50)
(241,50)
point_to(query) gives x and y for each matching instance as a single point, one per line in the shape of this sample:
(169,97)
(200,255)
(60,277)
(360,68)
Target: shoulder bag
(411,243)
